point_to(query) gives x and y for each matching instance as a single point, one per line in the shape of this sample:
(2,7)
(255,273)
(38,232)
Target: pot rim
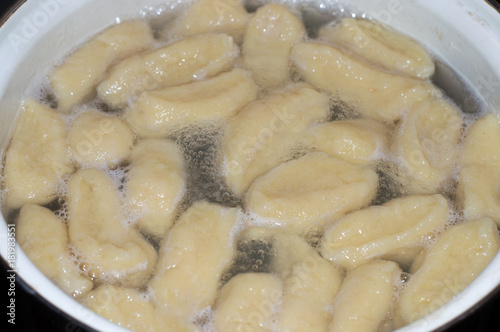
(32,289)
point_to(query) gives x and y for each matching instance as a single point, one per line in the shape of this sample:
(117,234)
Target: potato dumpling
(181,62)
(372,92)
(195,253)
(452,263)
(219,16)
(96,139)
(111,251)
(248,302)
(359,141)
(234,172)
(308,193)
(381,46)
(267,132)
(155,185)
(426,146)
(132,310)
(37,158)
(365,297)
(160,113)
(75,80)
(385,231)
(478,191)
(267,44)
(44,239)
(305,306)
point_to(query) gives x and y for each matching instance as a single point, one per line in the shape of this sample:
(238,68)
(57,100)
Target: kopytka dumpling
(134,310)
(44,239)
(381,46)
(155,185)
(453,262)
(308,193)
(394,230)
(268,131)
(267,43)
(479,177)
(372,92)
(161,112)
(75,80)
(111,251)
(37,158)
(194,254)
(248,302)
(183,61)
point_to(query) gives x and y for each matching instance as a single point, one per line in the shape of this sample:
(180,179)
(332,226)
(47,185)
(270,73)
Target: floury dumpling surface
(241,166)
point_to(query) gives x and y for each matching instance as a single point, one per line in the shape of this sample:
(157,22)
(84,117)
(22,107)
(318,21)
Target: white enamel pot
(464,32)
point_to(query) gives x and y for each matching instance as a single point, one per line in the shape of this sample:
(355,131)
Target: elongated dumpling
(155,184)
(110,251)
(305,194)
(426,146)
(373,93)
(181,62)
(37,157)
(381,46)
(386,231)
(479,178)
(266,132)
(158,113)
(365,298)
(361,141)
(96,139)
(476,150)
(248,302)
(193,257)
(44,239)
(267,44)
(305,306)
(132,310)
(75,80)
(219,16)
(452,263)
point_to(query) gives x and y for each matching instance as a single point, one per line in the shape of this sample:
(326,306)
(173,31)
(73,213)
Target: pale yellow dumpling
(308,193)
(359,141)
(265,133)
(372,92)
(267,44)
(195,253)
(98,140)
(479,178)
(219,16)
(181,62)
(248,302)
(75,80)
(160,113)
(380,45)
(425,146)
(111,251)
(393,231)
(131,309)
(37,158)
(44,239)
(305,306)
(365,297)
(451,264)
(155,185)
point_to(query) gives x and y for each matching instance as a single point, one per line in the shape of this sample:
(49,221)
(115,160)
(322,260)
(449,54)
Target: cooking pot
(38,33)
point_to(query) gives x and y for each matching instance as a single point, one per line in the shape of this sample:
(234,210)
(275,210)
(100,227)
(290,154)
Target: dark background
(34,315)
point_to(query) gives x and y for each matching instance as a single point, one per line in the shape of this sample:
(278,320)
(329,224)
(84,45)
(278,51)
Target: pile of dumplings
(362,200)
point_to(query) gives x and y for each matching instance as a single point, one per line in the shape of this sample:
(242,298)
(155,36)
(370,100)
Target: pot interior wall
(466,34)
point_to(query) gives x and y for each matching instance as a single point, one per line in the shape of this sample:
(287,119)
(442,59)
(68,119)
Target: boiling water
(201,144)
